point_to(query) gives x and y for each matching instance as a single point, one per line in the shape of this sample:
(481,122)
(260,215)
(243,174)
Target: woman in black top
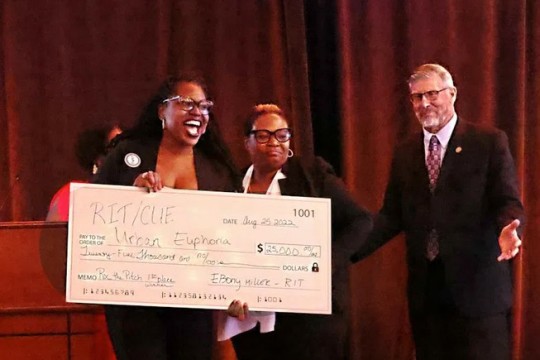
(276,171)
(176,143)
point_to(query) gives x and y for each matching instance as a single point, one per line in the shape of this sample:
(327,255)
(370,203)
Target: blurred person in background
(90,149)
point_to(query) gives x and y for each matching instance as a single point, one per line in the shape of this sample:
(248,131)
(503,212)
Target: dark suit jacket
(476,196)
(350,221)
(304,336)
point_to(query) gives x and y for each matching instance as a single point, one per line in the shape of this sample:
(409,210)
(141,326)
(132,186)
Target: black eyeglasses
(263,136)
(188,104)
(431,95)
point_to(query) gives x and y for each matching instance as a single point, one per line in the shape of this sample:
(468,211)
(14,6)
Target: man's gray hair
(427,70)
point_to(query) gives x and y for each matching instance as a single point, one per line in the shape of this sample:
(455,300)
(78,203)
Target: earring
(94,169)
(290,153)
(162,123)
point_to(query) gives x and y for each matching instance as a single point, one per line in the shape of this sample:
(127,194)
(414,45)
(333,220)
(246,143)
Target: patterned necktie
(433,163)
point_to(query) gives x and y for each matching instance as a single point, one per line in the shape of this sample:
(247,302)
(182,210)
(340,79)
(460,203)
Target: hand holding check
(150,180)
(238,310)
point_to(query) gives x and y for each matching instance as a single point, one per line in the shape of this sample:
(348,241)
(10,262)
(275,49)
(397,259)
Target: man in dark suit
(453,192)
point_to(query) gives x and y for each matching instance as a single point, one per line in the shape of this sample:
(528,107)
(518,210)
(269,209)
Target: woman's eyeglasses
(263,136)
(188,104)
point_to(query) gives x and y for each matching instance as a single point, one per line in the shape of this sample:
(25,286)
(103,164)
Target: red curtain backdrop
(66,66)
(72,65)
(491,48)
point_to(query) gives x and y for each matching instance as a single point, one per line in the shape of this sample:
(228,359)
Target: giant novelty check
(198,249)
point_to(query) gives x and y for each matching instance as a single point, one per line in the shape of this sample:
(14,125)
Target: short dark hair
(91,144)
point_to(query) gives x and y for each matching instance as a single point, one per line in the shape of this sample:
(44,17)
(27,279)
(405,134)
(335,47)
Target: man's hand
(509,241)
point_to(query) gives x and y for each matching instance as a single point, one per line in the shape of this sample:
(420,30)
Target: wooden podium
(35,321)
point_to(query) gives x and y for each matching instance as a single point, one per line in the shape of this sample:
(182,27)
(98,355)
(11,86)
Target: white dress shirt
(229,326)
(443,136)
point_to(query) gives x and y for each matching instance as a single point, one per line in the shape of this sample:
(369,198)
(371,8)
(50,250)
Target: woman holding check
(175,144)
(275,171)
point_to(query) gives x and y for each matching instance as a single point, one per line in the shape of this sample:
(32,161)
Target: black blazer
(476,196)
(350,221)
(303,336)
(211,175)
(308,336)
(142,155)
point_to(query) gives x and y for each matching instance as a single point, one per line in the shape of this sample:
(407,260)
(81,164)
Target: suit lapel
(418,163)
(292,184)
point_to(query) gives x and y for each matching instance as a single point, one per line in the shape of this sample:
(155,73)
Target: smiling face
(185,127)
(435,111)
(270,156)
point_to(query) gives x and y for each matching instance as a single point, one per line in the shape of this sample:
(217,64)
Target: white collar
(273,189)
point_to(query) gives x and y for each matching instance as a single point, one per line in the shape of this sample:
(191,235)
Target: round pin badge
(132,160)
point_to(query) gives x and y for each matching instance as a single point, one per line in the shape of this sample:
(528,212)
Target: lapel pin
(458,149)
(132,160)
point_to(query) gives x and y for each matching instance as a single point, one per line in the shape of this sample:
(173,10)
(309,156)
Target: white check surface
(198,249)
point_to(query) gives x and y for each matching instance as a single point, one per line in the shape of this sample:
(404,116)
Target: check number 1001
(305,213)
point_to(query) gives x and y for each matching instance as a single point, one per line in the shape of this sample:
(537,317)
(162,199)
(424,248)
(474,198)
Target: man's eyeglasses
(263,136)
(431,95)
(188,104)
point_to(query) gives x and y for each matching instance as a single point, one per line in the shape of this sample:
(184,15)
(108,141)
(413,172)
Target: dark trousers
(442,333)
(298,337)
(160,333)
(255,345)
